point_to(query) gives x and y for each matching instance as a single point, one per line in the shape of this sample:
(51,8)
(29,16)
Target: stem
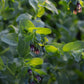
(49,82)
(3,4)
(10,70)
(4,51)
(16,82)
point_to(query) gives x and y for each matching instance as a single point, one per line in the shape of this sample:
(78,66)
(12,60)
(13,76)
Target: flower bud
(75,11)
(38,78)
(80,10)
(30,71)
(37,51)
(78,5)
(32,48)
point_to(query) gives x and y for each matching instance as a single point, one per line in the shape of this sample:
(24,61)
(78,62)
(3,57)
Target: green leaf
(1,64)
(15,29)
(62,78)
(1,68)
(50,48)
(46,39)
(82,55)
(28,37)
(81,25)
(50,6)
(73,46)
(77,55)
(38,22)
(39,71)
(40,30)
(8,11)
(27,61)
(41,11)
(25,24)
(10,39)
(36,61)
(23,16)
(33,3)
(1,26)
(23,47)
(3,4)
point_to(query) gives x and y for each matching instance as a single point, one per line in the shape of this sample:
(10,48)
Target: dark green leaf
(10,39)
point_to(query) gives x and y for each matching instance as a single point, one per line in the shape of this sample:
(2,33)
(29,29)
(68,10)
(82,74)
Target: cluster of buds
(78,8)
(30,71)
(34,49)
(38,78)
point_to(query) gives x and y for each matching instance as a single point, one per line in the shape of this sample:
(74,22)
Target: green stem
(4,51)
(16,82)
(10,70)
(49,81)
(3,6)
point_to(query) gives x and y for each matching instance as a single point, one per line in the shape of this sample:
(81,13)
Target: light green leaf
(41,11)
(1,64)
(46,39)
(50,48)
(3,4)
(40,30)
(36,61)
(73,46)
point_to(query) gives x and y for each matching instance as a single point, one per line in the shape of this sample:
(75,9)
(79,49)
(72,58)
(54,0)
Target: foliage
(41,42)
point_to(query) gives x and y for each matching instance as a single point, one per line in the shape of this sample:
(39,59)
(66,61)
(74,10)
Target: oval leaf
(36,61)
(23,16)
(50,6)
(50,48)
(10,39)
(73,46)
(40,30)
